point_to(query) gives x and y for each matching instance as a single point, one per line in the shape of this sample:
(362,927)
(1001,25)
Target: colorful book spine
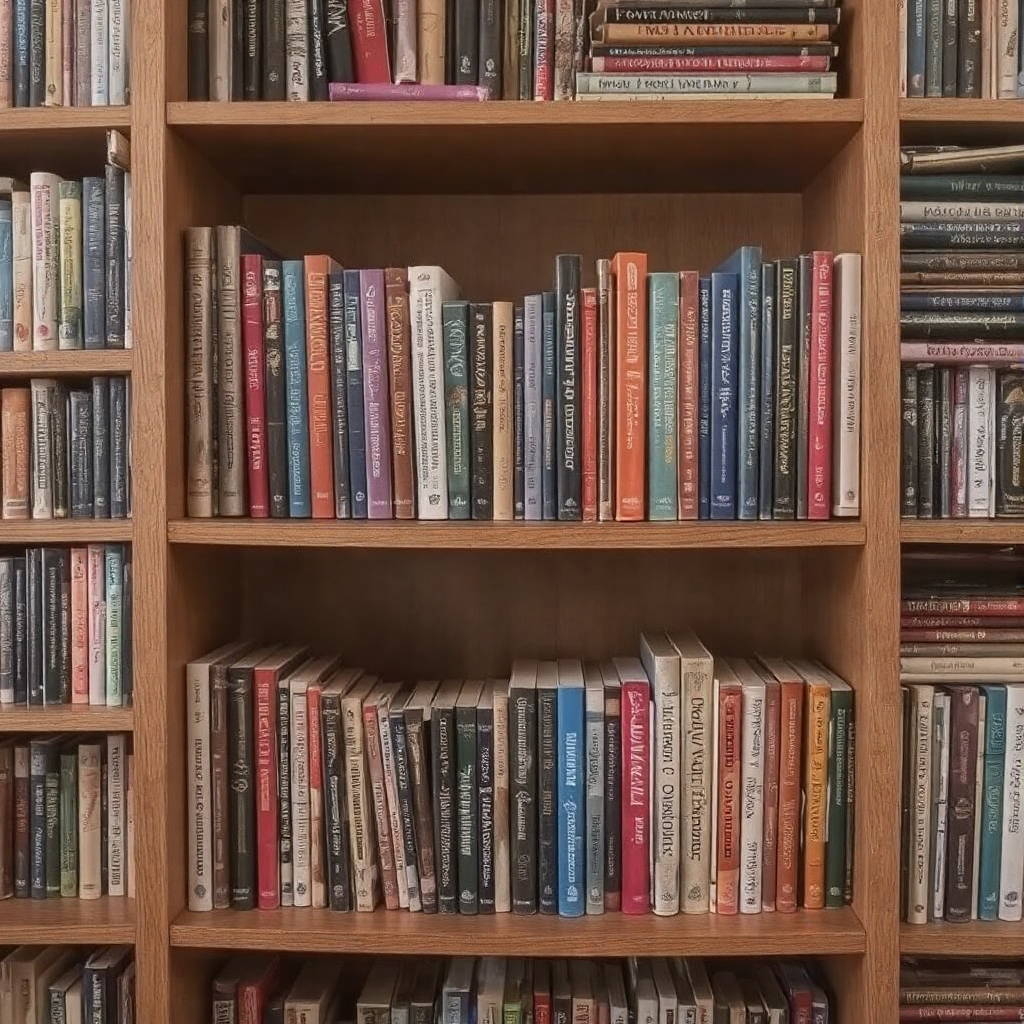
(992,802)
(375,395)
(296,393)
(533,372)
(255,392)
(820,440)
(663,358)
(636,810)
(730,727)
(354,391)
(339,394)
(481,410)
(570,455)
(318,384)
(549,388)
(724,299)
(629,271)
(589,401)
(571,790)
(455,328)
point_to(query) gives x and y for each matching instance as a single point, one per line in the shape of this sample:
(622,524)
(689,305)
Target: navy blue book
(724,296)
(767,438)
(915,47)
(295,389)
(339,394)
(704,401)
(549,419)
(354,374)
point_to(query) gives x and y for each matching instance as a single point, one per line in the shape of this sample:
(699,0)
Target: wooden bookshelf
(997,939)
(68,921)
(962,531)
(80,363)
(69,718)
(65,531)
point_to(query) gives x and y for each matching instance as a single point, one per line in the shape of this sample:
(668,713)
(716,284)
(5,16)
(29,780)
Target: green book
(69,820)
(467,818)
(840,719)
(663,358)
(455,328)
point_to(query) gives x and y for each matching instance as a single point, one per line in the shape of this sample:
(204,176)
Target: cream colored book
(53,56)
(45,260)
(503,440)
(430,38)
(69,335)
(360,804)
(90,839)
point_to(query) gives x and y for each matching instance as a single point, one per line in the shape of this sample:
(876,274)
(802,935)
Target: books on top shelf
(512,50)
(67,823)
(319,392)
(671,783)
(516,990)
(962,331)
(959,989)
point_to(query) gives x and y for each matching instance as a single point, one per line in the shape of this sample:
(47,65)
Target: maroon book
(255,393)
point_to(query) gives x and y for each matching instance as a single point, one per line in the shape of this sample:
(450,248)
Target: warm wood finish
(66,140)
(77,922)
(973,938)
(962,531)
(70,718)
(64,364)
(65,531)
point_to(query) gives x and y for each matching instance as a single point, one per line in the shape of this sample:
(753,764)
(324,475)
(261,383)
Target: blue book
(662,403)
(704,401)
(354,376)
(745,263)
(991,809)
(915,47)
(766,456)
(571,789)
(94,255)
(549,474)
(296,394)
(533,369)
(724,293)
(965,302)
(6,278)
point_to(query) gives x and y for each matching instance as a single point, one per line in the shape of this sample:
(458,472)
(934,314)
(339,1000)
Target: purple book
(376,400)
(382,91)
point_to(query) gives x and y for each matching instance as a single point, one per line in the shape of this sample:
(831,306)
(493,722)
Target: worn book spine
(405,874)
(662,467)
(400,374)
(481,410)
(770,835)
(442,749)
(926,439)
(338,41)
(318,69)
(59,454)
(963,768)
(467,42)
(969,74)
(198,50)
(317,834)
(519,412)
(115,263)
(318,385)
(568,337)
(113,601)
(563,46)
(370,42)
(241,807)
(751,803)
(199,340)
(22,816)
(588,432)
(455,327)
(365,874)
(6,275)
(336,822)
(377,414)
(374,760)
(198,280)
(430,42)
(727,871)
(629,272)
(547,797)
(467,817)
(296,50)
(485,807)
(909,442)
(70,213)
(37,52)
(296,389)
(339,404)
(43,394)
(15,431)
(502,433)
(266,802)
(117,44)
(354,394)
(118,447)
(230,427)
(549,417)
(220,785)
(45,261)
(255,386)
(302,873)
(1009,436)
(417,745)
(490,62)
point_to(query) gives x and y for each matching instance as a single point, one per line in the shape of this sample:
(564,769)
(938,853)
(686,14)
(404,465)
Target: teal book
(455,326)
(113,568)
(69,820)
(662,406)
(571,789)
(296,395)
(992,803)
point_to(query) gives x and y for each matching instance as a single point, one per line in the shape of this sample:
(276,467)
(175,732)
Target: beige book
(43,187)
(503,441)
(989,50)
(70,211)
(21,253)
(129,845)
(199,343)
(502,869)
(117,752)
(231,464)
(405,874)
(221,21)
(19,973)
(90,756)
(430,37)
(53,43)
(360,803)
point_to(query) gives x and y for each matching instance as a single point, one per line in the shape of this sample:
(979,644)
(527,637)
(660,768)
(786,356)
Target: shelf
(512,536)
(67,140)
(962,531)
(65,531)
(704,144)
(961,121)
(972,938)
(110,919)
(68,718)
(80,363)
(822,932)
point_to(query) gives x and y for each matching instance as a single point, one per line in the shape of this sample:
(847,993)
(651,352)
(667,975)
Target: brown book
(21,816)
(400,367)
(318,386)
(6,819)
(818,700)
(220,772)
(730,768)
(689,398)
(772,744)
(15,430)
(963,771)
(701,34)
(502,436)
(200,398)
(375,764)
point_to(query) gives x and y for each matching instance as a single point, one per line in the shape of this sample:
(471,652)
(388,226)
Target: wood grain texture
(70,141)
(963,121)
(68,922)
(321,931)
(962,531)
(72,718)
(65,531)
(81,363)
(997,939)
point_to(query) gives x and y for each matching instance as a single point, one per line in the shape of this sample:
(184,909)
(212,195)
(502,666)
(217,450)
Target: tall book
(571,789)
(636,813)
(629,273)
(522,704)
(568,337)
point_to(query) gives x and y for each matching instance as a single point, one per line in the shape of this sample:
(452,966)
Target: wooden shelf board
(972,938)
(961,121)
(823,932)
(65,531)
(68,921)
(704,144)
(70,141)
(962,531)
(68,718)
(516,535)
(80,363)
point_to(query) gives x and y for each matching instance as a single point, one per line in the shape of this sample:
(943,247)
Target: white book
(116,818)
(365,871)
(128,331)
(979,410)
(502,837)
(979,789)
(21,257)
(43,392)
(1011,863)
(90,839)
(296,42)
(302,869)
(533,366)
(429,287)
(405,42)
(99,51)
(221,43)
(901,29)
(919,890)
(53,59)
(97,615)
(940,797)
(45,260)
(846,383)
(752,792)
(117,60)
(407,874)
(490,989)
(713,857)
(593,683)
(697,767)
(666,989)
(1008,48)
(661,662)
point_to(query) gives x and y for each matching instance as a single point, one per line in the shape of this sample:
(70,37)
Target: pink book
(376,395)
(636,785)
(589,404)
(255,394)
(819,439)
(382,92)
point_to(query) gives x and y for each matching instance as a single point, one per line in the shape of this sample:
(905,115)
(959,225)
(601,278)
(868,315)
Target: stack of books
(66,817)
(954,990)
(66,259)
(648,50)
(962,331)
(66,627)
(377,394)
(960,49)
(517,989)
(538,793)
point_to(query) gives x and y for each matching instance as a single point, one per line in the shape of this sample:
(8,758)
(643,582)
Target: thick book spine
(339,402)
(1011,863)
(635,797)
(455,326)
(772,747)
(549,417)
(467,817)
(6,274)
(377,415)
(45,261)
(547,796)
(752,749)
(926,444)
(370,42)
(255,391)
(284,789)
(70,327)
(68,803)
(991,810)
(267,801)
(220,785)
(969,77)
(605,393)
(786,387)
(316,832)
(816,730)
(467,42)
(594,784)
(571,793)
(118,36)
(296,42)
(724,304)
(909,442)
(21,59)
(533,439)
(481,411)
(198,50)
(662,465)
(766,443)
(400,376)
(339,41)
(417,745)
(37,54)
(502,436)
(318,384)
(200,887)
(354,394)
(113,603)
(272,51)
(820,440)
(296,389)
(727,868)
(274,383)
(406,877)
(199,280)
(443,754)
(490,66)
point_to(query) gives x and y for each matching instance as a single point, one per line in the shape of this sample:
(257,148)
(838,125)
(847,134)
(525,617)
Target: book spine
(366,873)
(933,47)
(747,341)
(490,64)
(688,491)
(302,870)
(630,274)
(443,753)
(20,46)
(70,329)
(354,389)
(786,383)
(314,754)
(1009,434)
(547,795)
(117,43)
(268,859)
(455,326)
(200,341)
(571,797)
(284,791)
(386,856)
(200,889)
(296,42)
(533,441)
(816,731)
(116,814)
(119,448)
(370,42)
(467,43)
(37,820)
(6,264)
(467,817)
(727,873)
(723,408)
(1007,45)
(220,783)
(403,792)
(820,440)
(969,77)
(417,750)
(963,766)
(595,781)
(612,860)
(567,273)
(406,899)
(485,808)
(241,806)
(752,798)
(523,798)
(544,50)
(273,51)
(665,784)
(502,866)
(635,798)
(519,411)
(115,287)
(909,443)
(501,389)
(255,392)
(847,387)
(430,42)
(991,809)
(339,42)
(1012,855)
(43,393)
(89,824)
(198,51)
(400,376)
(375,395)
(45,261)
(840,721)
(563,46)
(805,321)
(15,429)
(339,403)
(317,51)
(772,738)
(318,384)
(549,416)
(605,394)
(662,467)
(480,410)
(37,53)
(979,412)
(296,389)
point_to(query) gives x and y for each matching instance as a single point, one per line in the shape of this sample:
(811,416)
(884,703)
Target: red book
(589,367)
(255,394)
(542,992)
(730,727)
(797,987)
(689,396)
(993,607)
(257,982)
(318,385)
(370,41)
(636,786)
(268,860)
(629,270)
(819,440)
(79,626)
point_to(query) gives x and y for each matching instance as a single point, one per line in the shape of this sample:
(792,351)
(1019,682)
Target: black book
(339,41)
(489,63)
(273,50)
(198,50)
(570,455)
(44,761)
(561,993)
(933,37)
(118,447)
(547,809)
(467,816)
(1009,441)
(51,580)
(522,758)
(926,443)
(944,437)
(339,393)
(238,49)
(99,982)
(424,991)
(519,412)
(467,42)
(274,387)
(101,447)
(114,244)
(20,52)
(485,796)
(59,469)
(908,468)
(34,625)
(19,633)
(480,411)
(612,785)
(786,369)
(969,48)
(805,320)
(950,32)
(549,404)
(94,260)
(37,53)
(284,772)
(400,751)
(317,51)
(442,747)
(252,31)
(339,868)
(81,453)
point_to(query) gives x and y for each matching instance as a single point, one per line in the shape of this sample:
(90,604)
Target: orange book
(15,430)
(79,626)
(689,397)
(318,366)
(817,700)
(629,273)
(589,367)
(730,767)
(400,372)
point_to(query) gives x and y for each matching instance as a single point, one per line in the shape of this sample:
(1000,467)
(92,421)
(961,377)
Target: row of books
(72,54)
(648,50)
(66,449)
(315,785)
(960,49)
(376,394)
(66,259)
(953,990)
(69,985)
(66,627)
(66,817)
(266,989)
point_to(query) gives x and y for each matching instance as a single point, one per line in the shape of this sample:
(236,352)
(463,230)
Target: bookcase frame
(814,173)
